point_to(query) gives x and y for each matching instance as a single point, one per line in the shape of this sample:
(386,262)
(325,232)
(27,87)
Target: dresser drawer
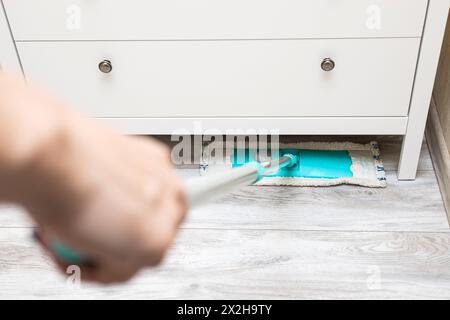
(213,19)
(371,77)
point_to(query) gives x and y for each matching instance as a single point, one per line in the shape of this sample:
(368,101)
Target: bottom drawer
(257,78)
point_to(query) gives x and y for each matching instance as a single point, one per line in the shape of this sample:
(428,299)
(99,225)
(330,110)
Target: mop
(307,164)
(320,164)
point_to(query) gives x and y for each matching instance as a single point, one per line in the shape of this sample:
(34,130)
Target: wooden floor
(276,242)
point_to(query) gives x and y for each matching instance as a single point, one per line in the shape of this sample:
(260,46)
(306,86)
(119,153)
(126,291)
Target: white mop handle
(201,189)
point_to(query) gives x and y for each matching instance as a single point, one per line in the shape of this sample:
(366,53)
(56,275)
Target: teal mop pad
(320,164)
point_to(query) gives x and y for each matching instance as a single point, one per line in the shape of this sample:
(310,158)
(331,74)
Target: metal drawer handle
(105,66)
(327,64)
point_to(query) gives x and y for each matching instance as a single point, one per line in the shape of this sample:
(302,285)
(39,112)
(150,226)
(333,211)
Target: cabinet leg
(409,157)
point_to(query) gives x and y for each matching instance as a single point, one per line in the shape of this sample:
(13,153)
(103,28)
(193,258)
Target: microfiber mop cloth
(320,164)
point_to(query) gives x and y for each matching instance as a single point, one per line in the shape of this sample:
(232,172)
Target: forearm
(28,126)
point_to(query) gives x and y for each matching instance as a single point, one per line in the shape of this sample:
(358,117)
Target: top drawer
(213,19)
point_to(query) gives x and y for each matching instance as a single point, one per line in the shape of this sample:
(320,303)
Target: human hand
(114,198)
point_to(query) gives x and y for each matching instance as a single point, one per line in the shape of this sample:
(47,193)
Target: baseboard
(439,154)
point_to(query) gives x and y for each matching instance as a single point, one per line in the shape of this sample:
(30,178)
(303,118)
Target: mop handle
(198,191)
(203,189)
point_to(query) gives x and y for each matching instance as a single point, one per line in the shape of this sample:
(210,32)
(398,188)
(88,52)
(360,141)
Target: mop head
(320,164)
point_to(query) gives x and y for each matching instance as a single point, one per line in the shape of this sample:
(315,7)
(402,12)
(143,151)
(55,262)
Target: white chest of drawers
(296,66)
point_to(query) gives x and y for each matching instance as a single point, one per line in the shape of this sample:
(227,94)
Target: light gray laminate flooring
(276,242)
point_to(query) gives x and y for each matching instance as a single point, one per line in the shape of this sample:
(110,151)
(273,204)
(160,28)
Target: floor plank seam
(319,230)
(285,230)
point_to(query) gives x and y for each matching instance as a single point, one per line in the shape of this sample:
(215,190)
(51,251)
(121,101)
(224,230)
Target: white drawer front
(213,19)
(372,77)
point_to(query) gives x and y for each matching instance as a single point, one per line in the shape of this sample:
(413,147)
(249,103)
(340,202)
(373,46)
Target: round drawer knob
(327,64)
(105,66)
